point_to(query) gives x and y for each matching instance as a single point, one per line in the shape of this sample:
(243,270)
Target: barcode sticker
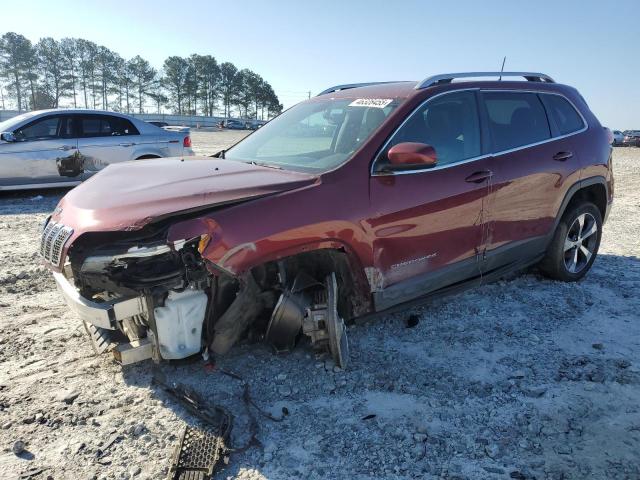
(371,102)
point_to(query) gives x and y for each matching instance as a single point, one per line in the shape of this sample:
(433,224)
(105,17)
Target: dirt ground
(524,378)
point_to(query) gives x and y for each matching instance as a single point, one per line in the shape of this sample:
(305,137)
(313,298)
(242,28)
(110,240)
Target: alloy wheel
(580,243)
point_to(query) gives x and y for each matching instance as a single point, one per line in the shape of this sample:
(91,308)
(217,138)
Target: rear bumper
(104,314)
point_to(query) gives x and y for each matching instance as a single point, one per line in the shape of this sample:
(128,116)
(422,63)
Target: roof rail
(449,77)
(347,86)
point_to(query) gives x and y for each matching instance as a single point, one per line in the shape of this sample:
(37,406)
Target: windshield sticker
(371,102)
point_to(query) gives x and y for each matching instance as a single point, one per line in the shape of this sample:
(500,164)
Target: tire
(575,244)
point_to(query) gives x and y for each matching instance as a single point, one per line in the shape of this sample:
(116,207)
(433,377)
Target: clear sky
(303,46)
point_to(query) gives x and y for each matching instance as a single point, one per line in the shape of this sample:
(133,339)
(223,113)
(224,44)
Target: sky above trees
(74,72)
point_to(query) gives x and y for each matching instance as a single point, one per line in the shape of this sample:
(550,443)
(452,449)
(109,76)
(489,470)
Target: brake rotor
(338,342)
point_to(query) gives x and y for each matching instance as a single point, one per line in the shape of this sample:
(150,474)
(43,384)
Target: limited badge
(371,102)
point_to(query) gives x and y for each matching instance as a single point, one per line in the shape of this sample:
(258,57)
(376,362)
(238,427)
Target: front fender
(227,251)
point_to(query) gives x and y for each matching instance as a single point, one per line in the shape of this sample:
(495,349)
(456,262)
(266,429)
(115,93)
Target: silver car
(61,148)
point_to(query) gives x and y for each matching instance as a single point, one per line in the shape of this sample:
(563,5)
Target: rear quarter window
(106,126)
(125,127)
(564,115)
(515,119)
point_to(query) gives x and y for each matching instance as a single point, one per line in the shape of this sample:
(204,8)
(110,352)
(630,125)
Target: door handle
(127,144)
(479,177)
(67,147)
(562,156)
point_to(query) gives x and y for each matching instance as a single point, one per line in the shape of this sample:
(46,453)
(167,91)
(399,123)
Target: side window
(46,129)
(515,119)
(95,126)
(563,114)
(449,123)
(122,126)
(105,126)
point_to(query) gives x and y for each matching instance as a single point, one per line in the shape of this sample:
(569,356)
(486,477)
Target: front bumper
(101,314)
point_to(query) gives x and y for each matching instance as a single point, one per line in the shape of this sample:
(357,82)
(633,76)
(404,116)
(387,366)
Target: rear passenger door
(532,165)
(105,139)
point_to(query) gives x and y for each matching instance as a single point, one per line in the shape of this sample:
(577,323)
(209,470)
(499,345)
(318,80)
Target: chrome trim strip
(58,245)
(29,186)
(55,230)
(481,157)
(449,77)
(43,238)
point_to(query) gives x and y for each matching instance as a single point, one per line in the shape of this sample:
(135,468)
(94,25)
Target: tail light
(609,135)
(186,143)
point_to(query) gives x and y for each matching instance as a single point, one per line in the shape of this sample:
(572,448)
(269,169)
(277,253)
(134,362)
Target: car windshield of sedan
(315,136)
(8,125)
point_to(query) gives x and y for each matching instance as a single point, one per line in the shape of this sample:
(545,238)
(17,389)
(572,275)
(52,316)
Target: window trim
(43,118)
(482,112)
(547,117)
(552,121)
(102,117)
(373,173)
(515,149)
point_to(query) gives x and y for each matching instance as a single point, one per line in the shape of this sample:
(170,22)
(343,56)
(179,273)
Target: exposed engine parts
(312,309)
(162,301)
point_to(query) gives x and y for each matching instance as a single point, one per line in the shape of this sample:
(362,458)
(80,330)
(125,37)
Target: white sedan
(61,148)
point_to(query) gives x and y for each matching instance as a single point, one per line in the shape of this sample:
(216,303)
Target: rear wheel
(575,244)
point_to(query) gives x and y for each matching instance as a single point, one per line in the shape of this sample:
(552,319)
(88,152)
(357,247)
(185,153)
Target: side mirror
(411,155)
(7,137)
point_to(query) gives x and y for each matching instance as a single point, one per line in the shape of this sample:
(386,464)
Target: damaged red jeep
(366,198)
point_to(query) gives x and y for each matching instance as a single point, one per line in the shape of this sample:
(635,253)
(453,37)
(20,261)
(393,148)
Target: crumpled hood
(128,195)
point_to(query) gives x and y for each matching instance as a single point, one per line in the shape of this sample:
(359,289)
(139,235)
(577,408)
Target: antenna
(502,69)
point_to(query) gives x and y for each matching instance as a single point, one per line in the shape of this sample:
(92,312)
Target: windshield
(314,136)
(7,125)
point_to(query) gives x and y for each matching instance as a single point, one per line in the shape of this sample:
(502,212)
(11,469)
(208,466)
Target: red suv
(362,199)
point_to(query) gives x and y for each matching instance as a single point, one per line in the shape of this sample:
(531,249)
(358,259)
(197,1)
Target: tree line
(81,74)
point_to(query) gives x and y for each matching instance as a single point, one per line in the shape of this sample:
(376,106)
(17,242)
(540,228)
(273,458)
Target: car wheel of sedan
(575,244)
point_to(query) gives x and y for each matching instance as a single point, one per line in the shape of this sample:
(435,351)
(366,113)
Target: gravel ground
(524,378)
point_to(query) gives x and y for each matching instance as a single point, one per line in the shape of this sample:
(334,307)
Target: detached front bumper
(103,314)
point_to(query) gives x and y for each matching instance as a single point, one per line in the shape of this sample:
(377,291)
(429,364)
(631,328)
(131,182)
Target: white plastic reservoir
(179,323)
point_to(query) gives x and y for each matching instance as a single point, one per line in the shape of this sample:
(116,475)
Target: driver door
(38,156)
(428,227)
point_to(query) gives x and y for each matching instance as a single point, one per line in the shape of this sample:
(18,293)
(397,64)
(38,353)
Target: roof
(77,110)
(376,90)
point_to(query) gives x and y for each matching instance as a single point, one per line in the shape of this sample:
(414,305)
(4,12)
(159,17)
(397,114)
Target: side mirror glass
(411,155)
(7,137)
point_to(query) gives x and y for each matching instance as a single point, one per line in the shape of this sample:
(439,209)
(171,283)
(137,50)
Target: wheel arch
(354,294)
(147,156)
(592,189)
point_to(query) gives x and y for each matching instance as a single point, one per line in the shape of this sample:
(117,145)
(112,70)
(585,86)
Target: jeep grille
(54,236)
